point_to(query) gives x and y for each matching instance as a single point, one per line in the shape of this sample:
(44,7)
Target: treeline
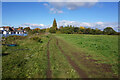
(33,31)
(72,30)
(81,30)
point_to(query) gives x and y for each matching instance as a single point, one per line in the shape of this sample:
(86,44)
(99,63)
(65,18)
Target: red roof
(6,26)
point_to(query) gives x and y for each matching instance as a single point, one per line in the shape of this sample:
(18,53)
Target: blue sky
(41,14)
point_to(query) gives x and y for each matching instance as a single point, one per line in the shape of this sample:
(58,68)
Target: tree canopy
(37,28)
(27,28)
(109,31)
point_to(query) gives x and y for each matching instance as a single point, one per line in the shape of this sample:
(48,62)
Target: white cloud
(86,24)
(76,5)
(60,11)
(33,26)
(74,23)
(54,10)
(99,23)
(45,4)
(68,4)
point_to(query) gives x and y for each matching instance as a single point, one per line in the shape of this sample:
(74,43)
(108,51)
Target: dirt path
(81,73)
(49,72)
(98,69)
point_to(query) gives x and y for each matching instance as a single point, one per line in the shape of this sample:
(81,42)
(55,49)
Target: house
(18,31)
(1,28)
(21,31)
(7,28)
(5,32)
(11,30)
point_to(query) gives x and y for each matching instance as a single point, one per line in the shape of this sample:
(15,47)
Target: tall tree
(54,24)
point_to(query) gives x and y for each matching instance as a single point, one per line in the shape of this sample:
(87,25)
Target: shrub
(3,37)
(15,37)
(80,32)
(47,36)
(58,32)
(37,39)
(52,30)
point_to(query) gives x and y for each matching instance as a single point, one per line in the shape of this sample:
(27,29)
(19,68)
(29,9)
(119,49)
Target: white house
(1,28)
(17,33)
(4,32)
(12,32)
(9,32)
(20,32)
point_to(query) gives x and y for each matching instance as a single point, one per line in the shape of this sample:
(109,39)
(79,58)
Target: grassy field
(103,48)
(104,45)
(61,56)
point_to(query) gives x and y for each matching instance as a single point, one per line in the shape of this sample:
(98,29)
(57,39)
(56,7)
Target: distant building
(1,28)
(11,30)
(7,28)
(5,32)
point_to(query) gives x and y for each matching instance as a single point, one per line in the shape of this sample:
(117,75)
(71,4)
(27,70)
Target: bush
(15,37)
(52,30)
(47,36)
(12,39)
(58,32)
(80,32)
(109,31)
(37,39)
(3,37)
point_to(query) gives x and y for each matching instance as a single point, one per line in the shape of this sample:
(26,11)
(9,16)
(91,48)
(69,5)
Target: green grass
(104,45)
(33,63)
(30,63)
(100,47)
(59,65)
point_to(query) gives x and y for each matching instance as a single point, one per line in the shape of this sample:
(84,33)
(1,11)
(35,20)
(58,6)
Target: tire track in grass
(49,72)
(81,73)
(95,68)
